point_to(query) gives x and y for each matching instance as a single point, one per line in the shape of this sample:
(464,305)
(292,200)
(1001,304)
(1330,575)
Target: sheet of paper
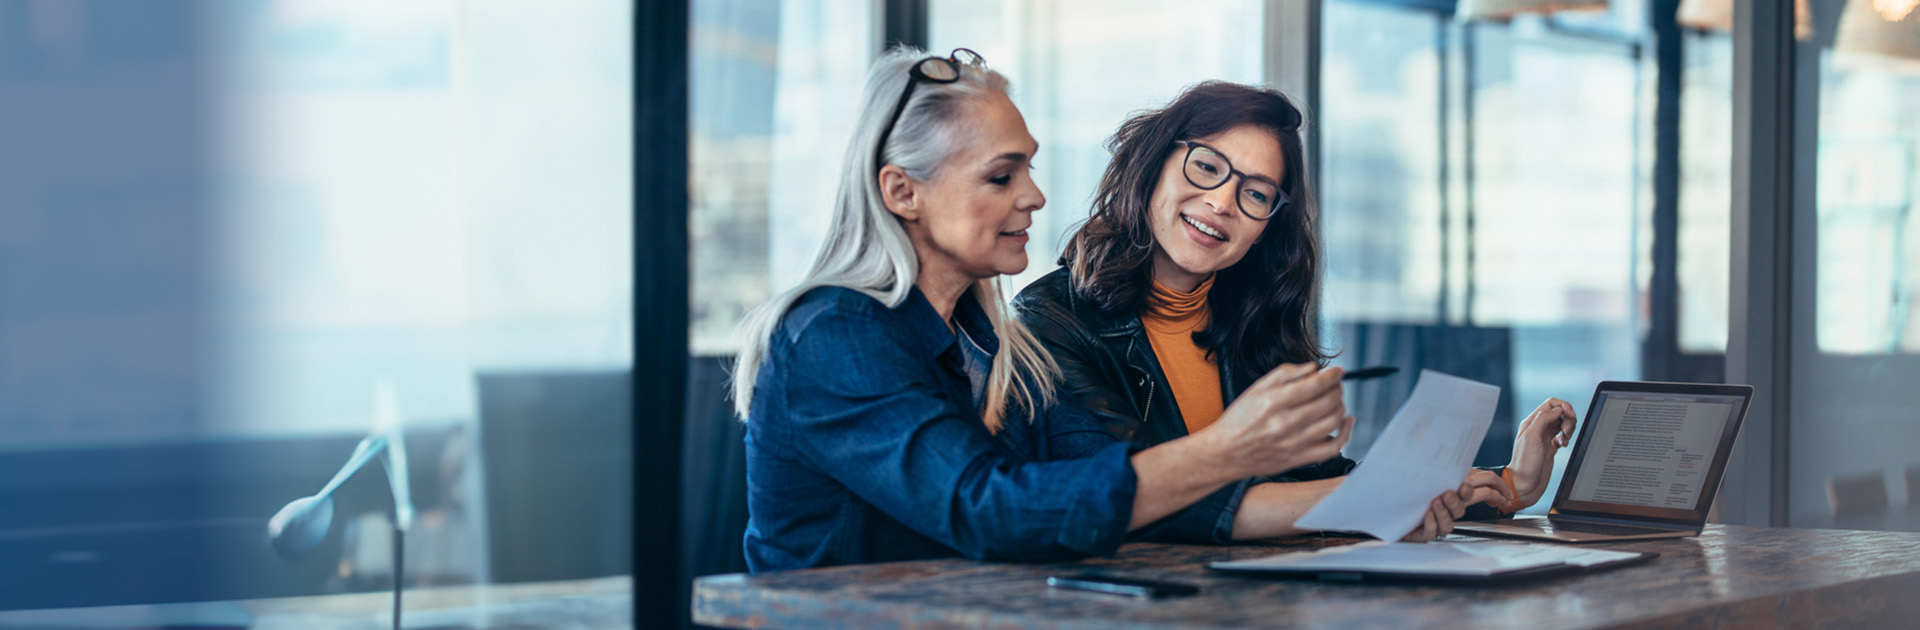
(1427,448)
(1436,558)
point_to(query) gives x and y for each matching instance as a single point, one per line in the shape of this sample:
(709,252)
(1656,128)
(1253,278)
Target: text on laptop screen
(1652,450)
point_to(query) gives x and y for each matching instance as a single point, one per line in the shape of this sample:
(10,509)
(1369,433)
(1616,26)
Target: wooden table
(1729,576)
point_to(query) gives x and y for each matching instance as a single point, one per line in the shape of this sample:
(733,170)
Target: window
(1856,268)
(1706,190)
(418,195)
(292,206)
(1080,67)
(1381,190)
(775,96)
(1484,201)
(1868,248)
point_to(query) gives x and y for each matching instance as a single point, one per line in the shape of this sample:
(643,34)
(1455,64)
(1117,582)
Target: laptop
(1647,463)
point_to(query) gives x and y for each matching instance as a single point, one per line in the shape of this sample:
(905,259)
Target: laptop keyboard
(1597,528)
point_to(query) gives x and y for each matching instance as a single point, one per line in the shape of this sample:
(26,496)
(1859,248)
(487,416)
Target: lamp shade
(1717,15)
(1506,9)
(1886,28)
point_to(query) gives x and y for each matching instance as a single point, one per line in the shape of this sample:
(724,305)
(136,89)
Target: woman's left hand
(1486,486)
(1541,436)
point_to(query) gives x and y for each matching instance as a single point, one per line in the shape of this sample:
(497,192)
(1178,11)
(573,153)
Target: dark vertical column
(1657,356)
(1812,445)
(1760,296)
(904,23)
(1661,358)
(660,184)
(1442,42)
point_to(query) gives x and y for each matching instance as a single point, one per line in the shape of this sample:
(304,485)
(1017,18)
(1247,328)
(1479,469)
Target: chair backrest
(556,454)
(1480,353)
(1913,486)
(713,498)
(1857,495)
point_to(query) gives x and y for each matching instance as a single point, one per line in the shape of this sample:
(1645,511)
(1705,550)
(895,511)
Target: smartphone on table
(1133,587)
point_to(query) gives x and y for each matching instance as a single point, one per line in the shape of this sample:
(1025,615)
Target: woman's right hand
(1481,486)
(1285,420)
(1441,513)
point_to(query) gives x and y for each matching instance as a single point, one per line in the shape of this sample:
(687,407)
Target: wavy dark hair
(1262,306)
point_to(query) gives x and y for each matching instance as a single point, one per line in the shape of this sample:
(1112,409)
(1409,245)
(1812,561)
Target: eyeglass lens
(1209,170)
(939,69)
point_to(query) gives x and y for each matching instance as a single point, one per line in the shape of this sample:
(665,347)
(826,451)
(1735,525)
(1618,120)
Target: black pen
(1372,372)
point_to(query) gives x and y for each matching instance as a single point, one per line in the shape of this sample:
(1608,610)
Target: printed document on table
(1435,558)
(1426,449)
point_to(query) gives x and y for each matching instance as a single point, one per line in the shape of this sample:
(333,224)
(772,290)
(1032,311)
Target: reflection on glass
(1854,364)
(428,195)
(1381,190)
(774,94)
(1869,129)
(1484,184)
(421,195)
(1706,190)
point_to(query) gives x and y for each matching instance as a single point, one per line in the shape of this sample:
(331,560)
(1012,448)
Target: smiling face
(969,222)
(1198,232)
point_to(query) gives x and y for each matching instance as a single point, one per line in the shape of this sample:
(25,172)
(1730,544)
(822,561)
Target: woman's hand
(1480,487)
(1541,436)
(1285,420)
(1291,417)
(1441,514)
(1486,486)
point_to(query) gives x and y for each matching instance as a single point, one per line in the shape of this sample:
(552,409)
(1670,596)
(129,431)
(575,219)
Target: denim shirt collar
(932,333)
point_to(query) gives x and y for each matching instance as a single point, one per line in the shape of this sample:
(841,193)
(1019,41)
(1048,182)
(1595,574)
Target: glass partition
(295,224)
(1855,349)
(1485,202)
(1080,67)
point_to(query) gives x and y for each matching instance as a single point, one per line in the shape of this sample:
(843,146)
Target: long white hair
(867,250)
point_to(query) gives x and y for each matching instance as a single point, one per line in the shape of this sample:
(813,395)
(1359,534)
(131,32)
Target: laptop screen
(1656,454)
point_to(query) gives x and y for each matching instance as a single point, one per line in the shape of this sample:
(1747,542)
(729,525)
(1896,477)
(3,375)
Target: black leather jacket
(1106,360)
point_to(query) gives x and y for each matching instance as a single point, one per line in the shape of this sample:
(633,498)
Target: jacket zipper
(1148,381)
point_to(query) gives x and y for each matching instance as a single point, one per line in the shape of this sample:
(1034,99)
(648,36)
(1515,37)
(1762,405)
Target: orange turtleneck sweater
(1171,318)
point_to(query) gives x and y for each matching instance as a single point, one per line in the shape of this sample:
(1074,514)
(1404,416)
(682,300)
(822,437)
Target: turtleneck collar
(1172,311)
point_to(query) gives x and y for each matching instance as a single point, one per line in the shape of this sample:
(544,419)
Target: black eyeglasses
(932,70)
(1258,197)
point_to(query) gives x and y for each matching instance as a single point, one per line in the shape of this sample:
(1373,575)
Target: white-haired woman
(895,411)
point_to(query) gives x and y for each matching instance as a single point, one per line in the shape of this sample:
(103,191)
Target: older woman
(1196,273)
(896,411)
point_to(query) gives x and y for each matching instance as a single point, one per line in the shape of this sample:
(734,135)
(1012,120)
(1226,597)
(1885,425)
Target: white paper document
(1436,558)
(1426,449)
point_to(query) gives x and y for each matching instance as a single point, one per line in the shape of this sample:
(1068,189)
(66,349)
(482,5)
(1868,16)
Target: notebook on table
(1476,562)
(1646,465)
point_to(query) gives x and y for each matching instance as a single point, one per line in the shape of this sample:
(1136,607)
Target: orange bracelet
(1506,474)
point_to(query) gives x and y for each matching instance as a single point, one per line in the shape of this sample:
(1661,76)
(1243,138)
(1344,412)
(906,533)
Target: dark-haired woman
(1196,274)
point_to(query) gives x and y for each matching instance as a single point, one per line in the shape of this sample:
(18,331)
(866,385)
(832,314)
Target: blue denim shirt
(865,444)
